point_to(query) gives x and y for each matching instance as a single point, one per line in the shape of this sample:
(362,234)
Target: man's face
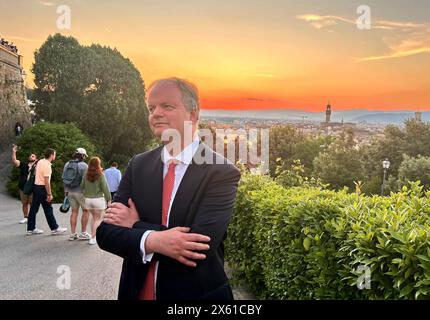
(166,110)
(32,157)
(53,156)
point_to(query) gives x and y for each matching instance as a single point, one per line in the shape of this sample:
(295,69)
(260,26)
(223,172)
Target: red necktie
(148,292)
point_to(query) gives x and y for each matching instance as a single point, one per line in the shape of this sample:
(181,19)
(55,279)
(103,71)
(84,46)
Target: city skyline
(253,54)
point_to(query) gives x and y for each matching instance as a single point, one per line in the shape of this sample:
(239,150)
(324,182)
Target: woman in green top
(96,193)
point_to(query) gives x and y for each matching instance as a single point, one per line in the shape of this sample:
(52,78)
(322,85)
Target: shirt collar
(186,155)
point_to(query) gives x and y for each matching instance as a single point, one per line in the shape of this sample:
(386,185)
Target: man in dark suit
(170,214)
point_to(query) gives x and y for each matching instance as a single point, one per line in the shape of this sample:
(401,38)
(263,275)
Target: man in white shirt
(113,177)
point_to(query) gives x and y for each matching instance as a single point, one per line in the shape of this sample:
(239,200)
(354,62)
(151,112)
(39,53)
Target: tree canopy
(96,88)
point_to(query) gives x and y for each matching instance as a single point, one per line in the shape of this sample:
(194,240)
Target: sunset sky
(249,54)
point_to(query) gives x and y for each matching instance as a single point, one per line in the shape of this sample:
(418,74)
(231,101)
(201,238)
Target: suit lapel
(153,191)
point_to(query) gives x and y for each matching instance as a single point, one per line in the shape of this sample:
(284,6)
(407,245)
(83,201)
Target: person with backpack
(96,192)
(73,173)
(26,168)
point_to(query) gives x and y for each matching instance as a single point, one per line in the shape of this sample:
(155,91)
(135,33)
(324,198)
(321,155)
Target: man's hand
(49,198)
(178,244)
(121,215)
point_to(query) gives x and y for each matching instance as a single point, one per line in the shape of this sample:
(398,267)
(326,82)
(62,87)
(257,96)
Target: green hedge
(64,138)
(308,243)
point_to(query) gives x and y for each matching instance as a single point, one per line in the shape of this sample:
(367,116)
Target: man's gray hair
(190,93)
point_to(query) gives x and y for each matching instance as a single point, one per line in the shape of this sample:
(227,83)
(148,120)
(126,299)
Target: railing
(11,58)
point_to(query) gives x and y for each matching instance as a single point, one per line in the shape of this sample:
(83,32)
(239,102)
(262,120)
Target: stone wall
(13,100)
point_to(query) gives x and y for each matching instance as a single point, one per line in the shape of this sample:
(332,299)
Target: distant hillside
(388,117)
(355,115)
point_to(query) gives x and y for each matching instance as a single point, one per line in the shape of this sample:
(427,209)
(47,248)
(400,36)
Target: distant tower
(418,115)
(328,113)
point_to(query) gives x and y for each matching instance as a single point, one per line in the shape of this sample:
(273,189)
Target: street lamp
(385,166)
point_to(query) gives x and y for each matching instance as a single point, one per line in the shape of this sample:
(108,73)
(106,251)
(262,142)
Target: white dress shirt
(183,159)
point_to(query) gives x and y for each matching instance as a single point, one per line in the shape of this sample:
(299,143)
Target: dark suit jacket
(203,202)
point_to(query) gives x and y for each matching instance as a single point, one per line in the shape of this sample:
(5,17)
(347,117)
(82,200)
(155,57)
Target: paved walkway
(31,265)
(35,267)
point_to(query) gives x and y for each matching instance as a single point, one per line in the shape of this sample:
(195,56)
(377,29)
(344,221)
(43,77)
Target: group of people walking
(86,186)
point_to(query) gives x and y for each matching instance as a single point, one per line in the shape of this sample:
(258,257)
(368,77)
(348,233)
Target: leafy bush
(414,169)
(339,166)
(64,138)
(373,185)
(309,243)
(295,175)
(283,139)
(241,251)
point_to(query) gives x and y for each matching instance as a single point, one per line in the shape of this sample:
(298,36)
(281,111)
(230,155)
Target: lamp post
(385,166)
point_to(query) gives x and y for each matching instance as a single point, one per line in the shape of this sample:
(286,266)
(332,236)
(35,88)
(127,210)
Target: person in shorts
(96,192)
(73,174)
(24,170)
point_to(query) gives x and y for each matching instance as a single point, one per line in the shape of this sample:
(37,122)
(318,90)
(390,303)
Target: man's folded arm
(124,193)
(211,219)
(121,241)
(214,212)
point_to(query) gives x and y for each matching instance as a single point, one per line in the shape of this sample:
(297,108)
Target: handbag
(65,206)
(29,184)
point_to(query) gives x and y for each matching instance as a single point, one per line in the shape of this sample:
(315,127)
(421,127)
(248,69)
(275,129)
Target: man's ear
(194,116)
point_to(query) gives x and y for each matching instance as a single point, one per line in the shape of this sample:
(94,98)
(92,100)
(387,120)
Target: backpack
(71,178)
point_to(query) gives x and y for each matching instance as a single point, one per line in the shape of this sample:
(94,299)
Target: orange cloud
(22,38)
